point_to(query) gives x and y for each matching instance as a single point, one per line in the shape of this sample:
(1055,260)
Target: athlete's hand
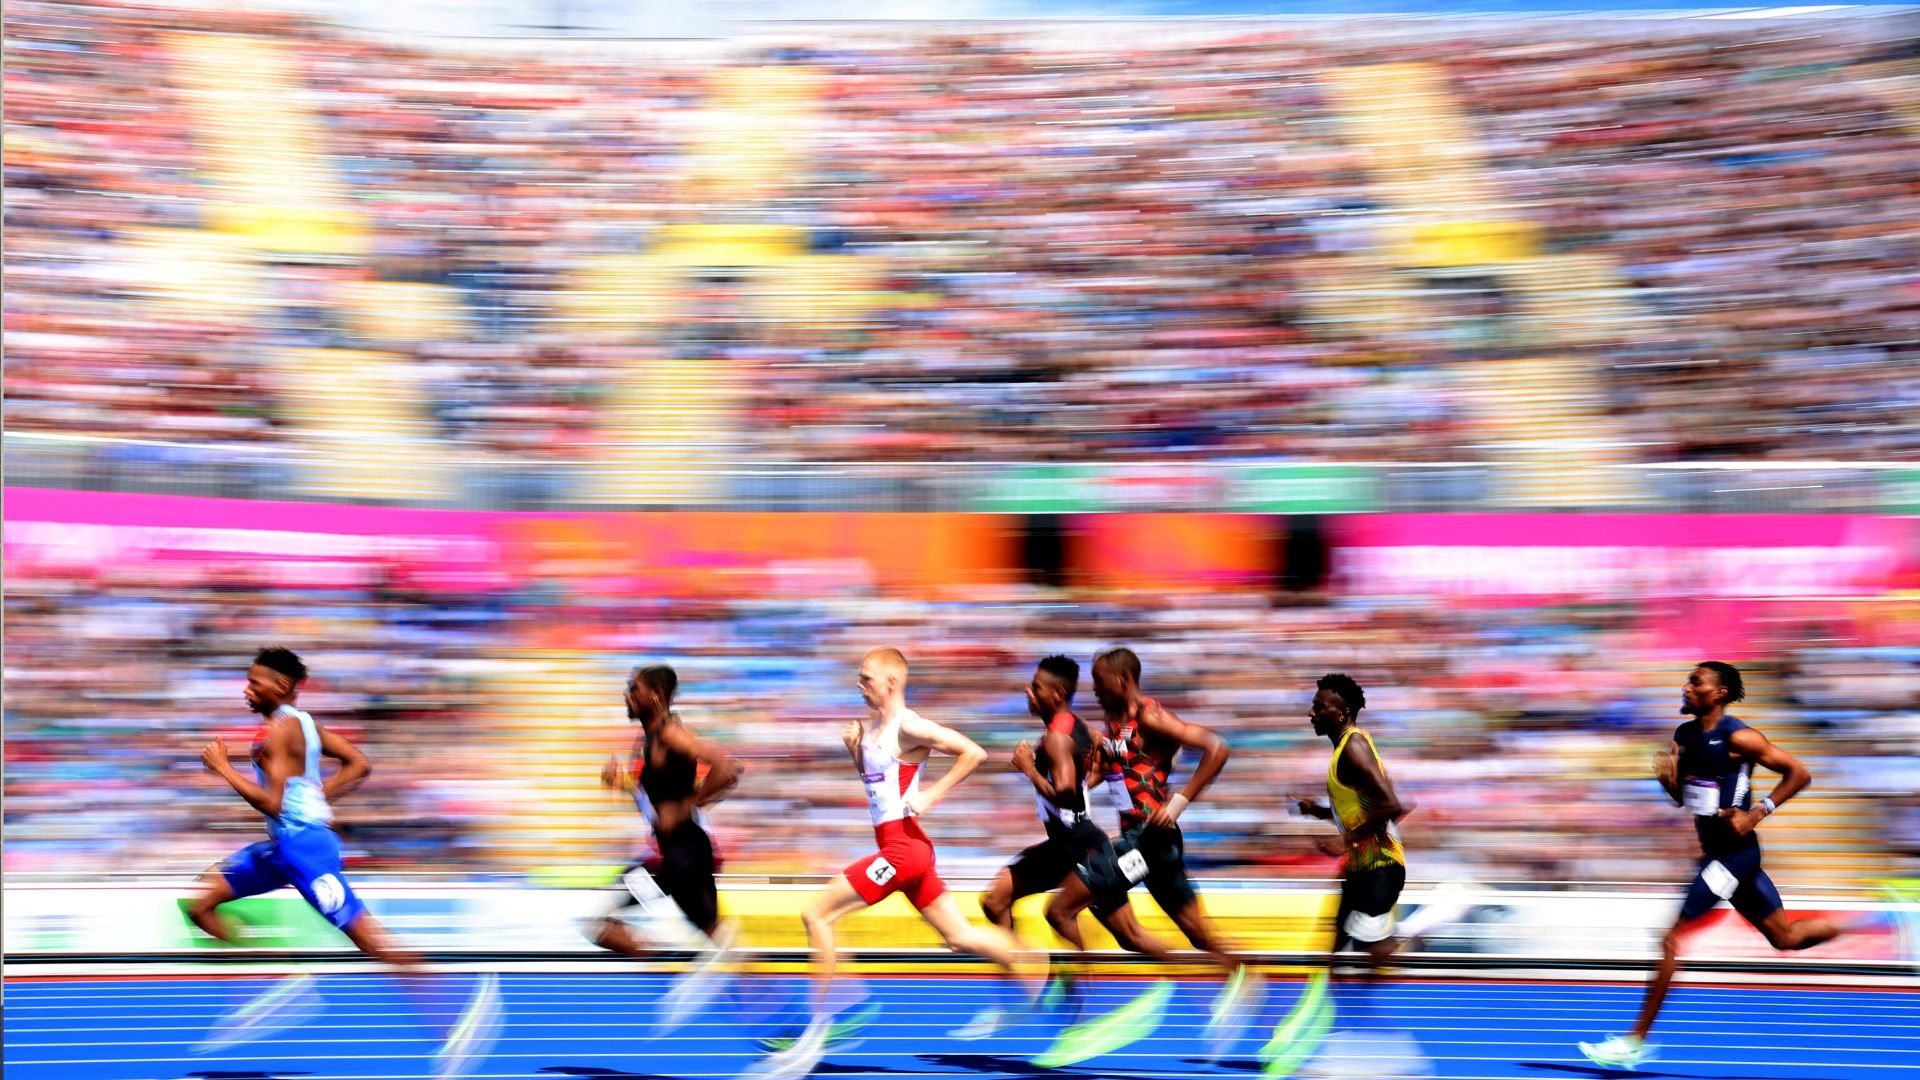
(1332,846)
(214,756)
(1022,757)
(1663,767)
(851,736)
(918,803)
(610,773)
(1309,807)
(1168,814)
(1743,821)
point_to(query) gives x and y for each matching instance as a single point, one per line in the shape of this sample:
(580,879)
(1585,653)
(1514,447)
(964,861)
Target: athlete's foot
(1618,1052)
(1297,1037)
(1234,1011)
(840,1032)
(704,980)
(804,1053)
(985,1024)
(288,1003)
(1124,1026)
(473,1034)
(1063,999)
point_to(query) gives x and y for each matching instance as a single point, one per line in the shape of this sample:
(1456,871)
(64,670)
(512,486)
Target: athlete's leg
(828,907)
(372,938)
(997,902)
(1758,902)
(1063,911)
(1167,883)
(1125,927)
(1193,922)
(214,891)
(254,869)
(1662,979)
(1000,946)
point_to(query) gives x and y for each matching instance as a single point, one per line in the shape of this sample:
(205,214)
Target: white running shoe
(804,1055)
(475,1032)
(1234,1012)
(985,1024)
(1618,1052)
(703,982)
(289,1003)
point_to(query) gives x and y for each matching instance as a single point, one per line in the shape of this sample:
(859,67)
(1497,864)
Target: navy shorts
(1154,856)
(307,859)
(1735,877)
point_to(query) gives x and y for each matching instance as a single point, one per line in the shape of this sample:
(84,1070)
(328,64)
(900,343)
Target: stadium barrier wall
(122,921)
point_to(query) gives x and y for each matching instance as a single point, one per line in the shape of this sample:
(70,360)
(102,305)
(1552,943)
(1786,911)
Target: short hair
(1736,687)
(284,661)
(1120,659)
(891,657)
(660,679)
(1346,689)
(1065,669)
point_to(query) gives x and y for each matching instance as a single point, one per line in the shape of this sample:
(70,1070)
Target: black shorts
(1736,877)
(1047,864)
(1367,900)
(1154,856)
(684,872)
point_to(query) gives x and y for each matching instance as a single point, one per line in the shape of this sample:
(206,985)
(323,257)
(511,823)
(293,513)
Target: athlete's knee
(1796,936)
(1061,916)
(998,909)
(1670,945)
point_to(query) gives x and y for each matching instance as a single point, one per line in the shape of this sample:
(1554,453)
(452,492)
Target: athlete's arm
(1794,777)
(354,766)
(1213,757)
(967,755)
(278,765)
(1666,769)
(722,771)
(1059,748)
(1364,775)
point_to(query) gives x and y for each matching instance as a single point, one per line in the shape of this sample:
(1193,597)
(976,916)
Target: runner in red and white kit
(888,750)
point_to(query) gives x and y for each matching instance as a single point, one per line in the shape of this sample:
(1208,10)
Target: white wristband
(1176,806)
(1768,803)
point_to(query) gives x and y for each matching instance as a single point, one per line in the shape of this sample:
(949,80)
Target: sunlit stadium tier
(1563,246)
(1519,672)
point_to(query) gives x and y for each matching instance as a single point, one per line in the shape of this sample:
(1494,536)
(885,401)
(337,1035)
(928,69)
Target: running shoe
(474,1033)
(289,1003)
(1234,1011)
(1618,1052)
(1124,1026)
(842,1032)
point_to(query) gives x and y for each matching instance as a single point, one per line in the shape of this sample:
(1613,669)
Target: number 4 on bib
(880,871)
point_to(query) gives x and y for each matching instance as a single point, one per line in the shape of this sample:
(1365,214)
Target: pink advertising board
(312,545)
(1544,557)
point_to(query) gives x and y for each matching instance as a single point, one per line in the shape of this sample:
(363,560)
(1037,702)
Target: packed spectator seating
(1141,247)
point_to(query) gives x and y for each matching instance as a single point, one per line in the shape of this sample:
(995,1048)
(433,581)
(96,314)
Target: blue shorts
(1736,878)
(307,859)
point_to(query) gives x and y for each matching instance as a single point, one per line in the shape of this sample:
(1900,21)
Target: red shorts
(904,864)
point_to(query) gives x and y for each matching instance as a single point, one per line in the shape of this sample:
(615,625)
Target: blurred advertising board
(501,918)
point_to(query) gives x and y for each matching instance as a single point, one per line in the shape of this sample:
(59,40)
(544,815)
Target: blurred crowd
(1129,248)
(1523,736)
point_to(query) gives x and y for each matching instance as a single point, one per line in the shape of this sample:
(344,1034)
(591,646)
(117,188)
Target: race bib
(641,885)
(1703,796)
(1719,880)
(1116,786)
(1134,866)
(880,871)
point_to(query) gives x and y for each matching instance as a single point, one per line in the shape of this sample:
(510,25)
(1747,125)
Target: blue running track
(595,1025)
